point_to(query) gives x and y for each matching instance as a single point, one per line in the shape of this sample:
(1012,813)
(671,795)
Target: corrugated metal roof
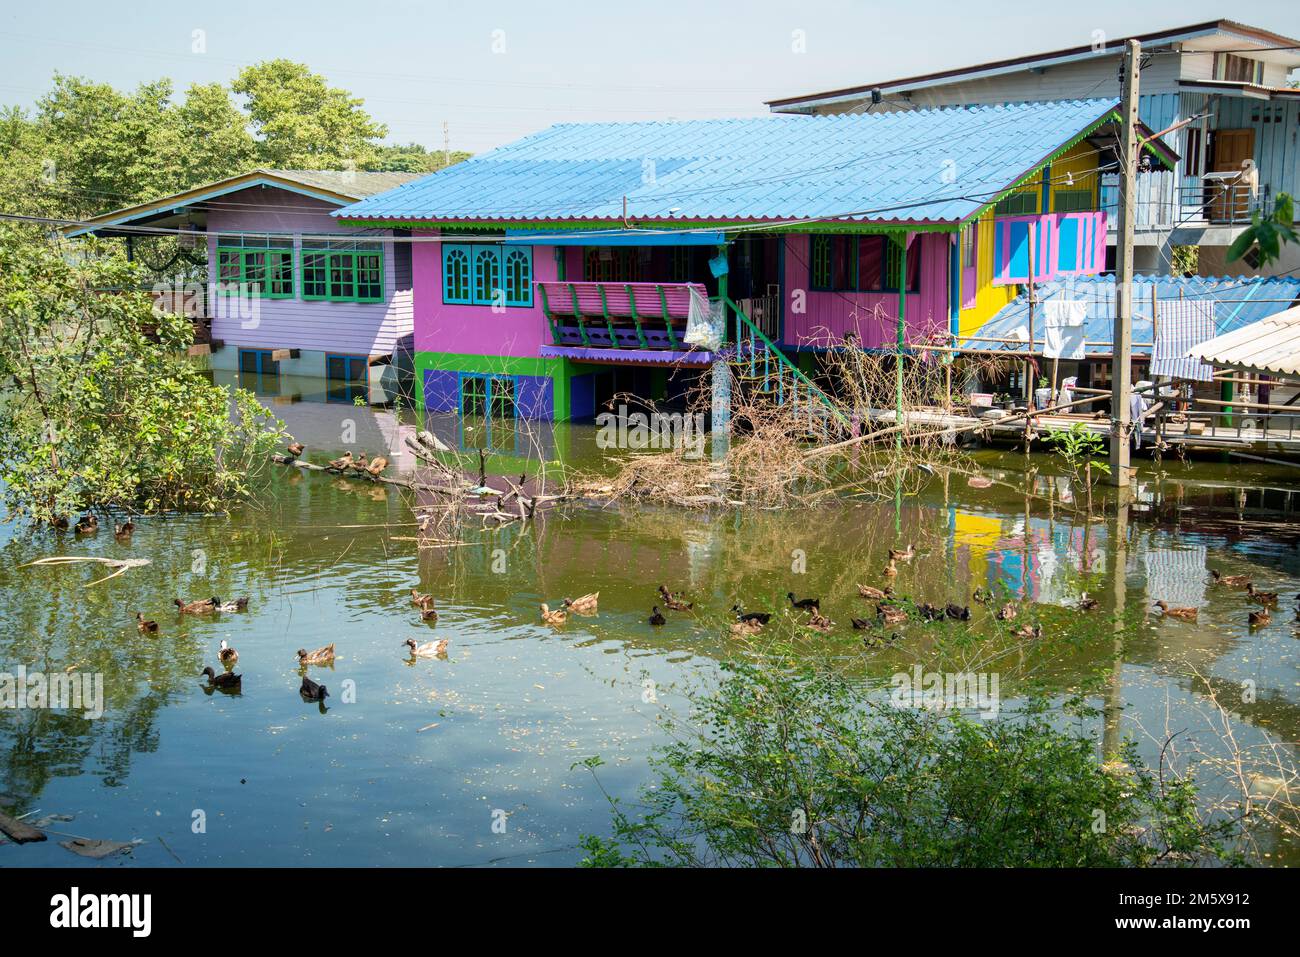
(920,166)
(1270,345)
(354,183)
(1239,301)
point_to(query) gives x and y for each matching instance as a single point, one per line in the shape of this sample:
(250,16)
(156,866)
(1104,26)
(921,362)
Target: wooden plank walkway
(1175,433)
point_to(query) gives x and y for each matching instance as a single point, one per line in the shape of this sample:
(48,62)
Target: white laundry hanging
(1063,325)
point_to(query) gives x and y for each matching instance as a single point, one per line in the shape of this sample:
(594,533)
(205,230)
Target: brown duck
(875,594)
(1232,581)
(1187,614)
(1263,597)
(204,606)
(320,656)
(145,625)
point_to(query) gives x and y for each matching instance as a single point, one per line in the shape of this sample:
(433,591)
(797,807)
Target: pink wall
(476,330)
(873,316)
(354,328)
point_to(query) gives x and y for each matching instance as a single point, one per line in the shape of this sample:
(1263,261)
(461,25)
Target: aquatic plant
(790,765)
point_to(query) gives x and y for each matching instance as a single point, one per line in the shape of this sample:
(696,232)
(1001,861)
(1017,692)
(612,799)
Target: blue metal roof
(1238,301)
(936,165)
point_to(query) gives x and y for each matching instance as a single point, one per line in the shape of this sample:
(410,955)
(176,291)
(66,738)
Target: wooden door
(1232,148)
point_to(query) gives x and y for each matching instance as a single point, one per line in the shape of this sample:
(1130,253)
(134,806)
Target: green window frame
(260,265)
(1072,201)
(860,263)
(1023,203)
(342,271)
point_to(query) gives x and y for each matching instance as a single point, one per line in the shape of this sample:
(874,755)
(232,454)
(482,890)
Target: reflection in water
(410,760)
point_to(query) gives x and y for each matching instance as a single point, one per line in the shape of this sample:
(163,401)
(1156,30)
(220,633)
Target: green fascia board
(1153,146)
(738,226)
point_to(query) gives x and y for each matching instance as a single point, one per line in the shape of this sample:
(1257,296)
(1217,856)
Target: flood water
(412,763)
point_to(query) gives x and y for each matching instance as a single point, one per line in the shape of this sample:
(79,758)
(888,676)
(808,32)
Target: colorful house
(290,290)
(1219,91)
(559,270)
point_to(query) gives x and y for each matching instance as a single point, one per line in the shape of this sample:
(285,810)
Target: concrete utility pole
(1122,335)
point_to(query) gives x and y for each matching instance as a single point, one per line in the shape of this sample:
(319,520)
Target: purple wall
(354,328)
(873,316)
(476,330)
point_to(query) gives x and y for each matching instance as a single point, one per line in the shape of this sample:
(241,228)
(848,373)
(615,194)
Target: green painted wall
(559,371)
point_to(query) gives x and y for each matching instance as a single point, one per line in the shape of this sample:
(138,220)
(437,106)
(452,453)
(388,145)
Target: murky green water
(412,763)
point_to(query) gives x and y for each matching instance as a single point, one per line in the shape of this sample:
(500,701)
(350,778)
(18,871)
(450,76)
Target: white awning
(1271,345)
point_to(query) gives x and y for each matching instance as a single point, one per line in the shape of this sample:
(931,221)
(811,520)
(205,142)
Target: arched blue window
(519,276)
(455,274)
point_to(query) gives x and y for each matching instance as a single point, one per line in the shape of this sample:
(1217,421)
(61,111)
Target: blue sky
(495,71)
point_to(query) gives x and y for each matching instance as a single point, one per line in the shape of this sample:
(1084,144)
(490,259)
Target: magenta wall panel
(476,330)
(873,316)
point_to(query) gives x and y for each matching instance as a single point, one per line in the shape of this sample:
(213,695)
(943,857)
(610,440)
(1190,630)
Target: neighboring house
(291,292)
(1231,80)
(1235,302)
(561,270)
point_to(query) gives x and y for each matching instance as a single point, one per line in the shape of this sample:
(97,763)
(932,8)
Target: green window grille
(260,265)
(343,271)
(487,274)
(1072,201)
(821,262)
(519,277)
(1017,204)
(455,274)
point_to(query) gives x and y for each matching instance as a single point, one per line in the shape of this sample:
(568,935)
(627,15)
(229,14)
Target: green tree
(413,158)
(102,408)
(1261,242)
(300,122)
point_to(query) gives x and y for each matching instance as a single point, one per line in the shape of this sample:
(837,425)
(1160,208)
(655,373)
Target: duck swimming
(419,598)
(583,606)
(428,649)
(874,594)
(657,619)
(1187,614)
(235,604)
(146,626)
(311,691)
(761,617)
(804,603)
(557,617)
(743,629)
(124,531)
(891,614)
(674,602)
(87,524)
(1232,581)
(204,606)
(1263,597)
(891,570)
(320,656)
(902,554)
(820,623)
(227,656)
(1259,618)
(227,680)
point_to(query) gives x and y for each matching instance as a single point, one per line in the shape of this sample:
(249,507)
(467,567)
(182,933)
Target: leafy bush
(791,767)
(100,405)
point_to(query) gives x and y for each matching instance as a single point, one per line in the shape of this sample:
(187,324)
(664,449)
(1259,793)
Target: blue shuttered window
(486,274)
